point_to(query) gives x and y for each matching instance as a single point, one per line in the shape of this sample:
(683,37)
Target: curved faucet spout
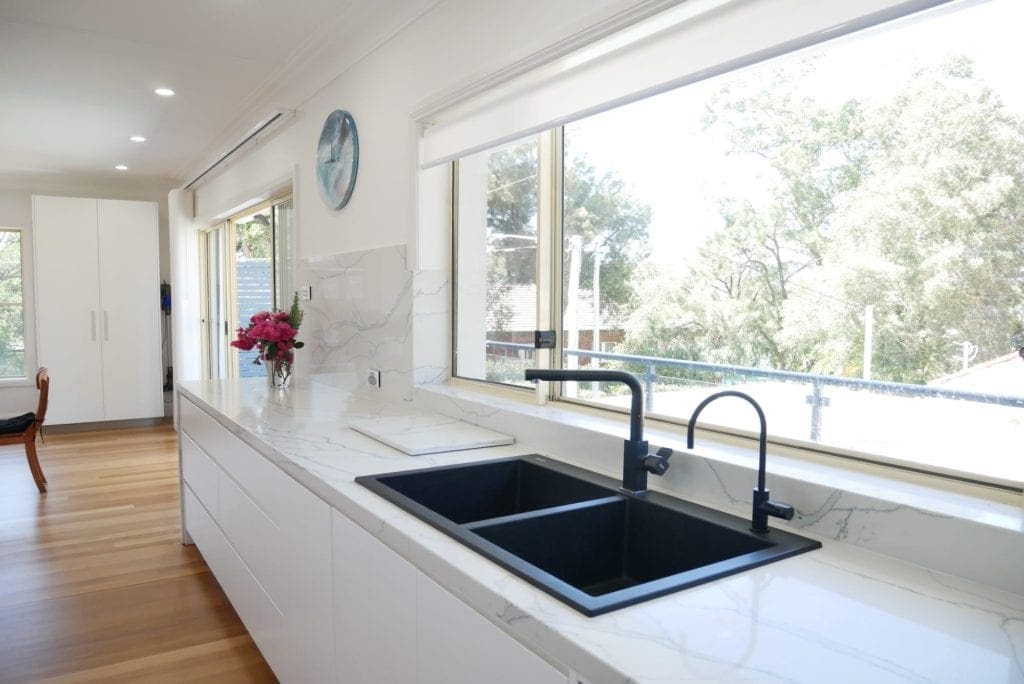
(762,507)
(762,445)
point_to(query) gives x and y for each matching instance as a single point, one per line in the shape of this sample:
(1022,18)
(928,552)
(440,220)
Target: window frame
(27,320)
(550,240)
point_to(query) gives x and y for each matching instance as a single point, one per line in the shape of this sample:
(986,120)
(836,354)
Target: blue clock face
(337,159)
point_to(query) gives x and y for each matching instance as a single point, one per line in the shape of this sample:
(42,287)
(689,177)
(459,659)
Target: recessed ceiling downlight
(164,92)
(138,138)
(121,167)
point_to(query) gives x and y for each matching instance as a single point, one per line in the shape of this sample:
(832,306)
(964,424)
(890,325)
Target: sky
(656,145)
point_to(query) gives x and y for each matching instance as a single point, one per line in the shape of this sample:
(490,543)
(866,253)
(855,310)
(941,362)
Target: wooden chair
(23,429)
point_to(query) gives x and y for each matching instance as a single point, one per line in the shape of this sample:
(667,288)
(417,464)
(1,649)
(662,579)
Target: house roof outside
(1001,375)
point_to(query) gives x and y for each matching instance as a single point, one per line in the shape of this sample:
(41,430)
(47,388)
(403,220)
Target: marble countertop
(839,614)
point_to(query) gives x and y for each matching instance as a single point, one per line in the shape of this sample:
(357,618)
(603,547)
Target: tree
(603,213)
(913,205)
(803,156)
(512,213)
(599,208)
(253,240)
(12,322)
(935,228)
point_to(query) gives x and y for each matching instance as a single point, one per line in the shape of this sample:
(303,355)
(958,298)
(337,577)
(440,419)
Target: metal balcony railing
(816,398)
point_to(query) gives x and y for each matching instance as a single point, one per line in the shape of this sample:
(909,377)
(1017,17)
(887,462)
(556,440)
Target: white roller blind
(690,42)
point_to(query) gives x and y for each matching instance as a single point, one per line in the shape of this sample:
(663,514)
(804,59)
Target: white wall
(455,43)
(16,212)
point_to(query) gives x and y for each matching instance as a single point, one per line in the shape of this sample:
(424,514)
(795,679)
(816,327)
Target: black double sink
(575,535)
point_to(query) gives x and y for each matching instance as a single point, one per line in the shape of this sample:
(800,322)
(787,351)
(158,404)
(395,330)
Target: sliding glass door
(215,324)
(248,267)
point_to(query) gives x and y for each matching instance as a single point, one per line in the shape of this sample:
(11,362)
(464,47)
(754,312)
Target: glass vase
(279,373)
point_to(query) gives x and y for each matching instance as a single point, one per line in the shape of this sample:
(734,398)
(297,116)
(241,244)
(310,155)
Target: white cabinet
(323,598)
(97,307)
(268,541)
(129,287)
(374,609)
(455,644)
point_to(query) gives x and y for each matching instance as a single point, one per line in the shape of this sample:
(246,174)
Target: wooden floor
(95,585)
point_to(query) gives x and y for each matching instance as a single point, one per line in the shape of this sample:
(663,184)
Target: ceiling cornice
(95,183)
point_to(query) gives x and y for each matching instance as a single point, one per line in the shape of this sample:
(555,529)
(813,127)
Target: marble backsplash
(359,317)
(431,327)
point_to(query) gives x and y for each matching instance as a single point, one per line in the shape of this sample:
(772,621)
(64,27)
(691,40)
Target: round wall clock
(337,159)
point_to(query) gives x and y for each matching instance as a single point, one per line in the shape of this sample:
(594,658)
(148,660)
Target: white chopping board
(428,433)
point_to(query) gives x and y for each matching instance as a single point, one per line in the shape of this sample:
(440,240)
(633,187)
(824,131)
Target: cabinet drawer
(292,561)
(257,611)
(259,540)
(282,499)
(200,427)
(200,473)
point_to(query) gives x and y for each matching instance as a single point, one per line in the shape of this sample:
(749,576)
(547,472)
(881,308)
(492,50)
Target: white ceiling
(77,77)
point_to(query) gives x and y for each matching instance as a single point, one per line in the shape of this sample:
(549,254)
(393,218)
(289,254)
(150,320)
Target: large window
(838,232)
(12,306)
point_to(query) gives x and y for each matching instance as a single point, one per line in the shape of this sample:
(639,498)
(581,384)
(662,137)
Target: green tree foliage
(511,226)
(600,209)
(912,205)
(938,227)
(12,322)
(603,213)
(252,240)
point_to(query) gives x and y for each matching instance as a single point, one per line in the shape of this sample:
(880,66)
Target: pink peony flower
(269,329)
(243,342)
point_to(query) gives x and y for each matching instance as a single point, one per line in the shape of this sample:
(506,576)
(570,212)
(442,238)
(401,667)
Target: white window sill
(899,513)
(17,382)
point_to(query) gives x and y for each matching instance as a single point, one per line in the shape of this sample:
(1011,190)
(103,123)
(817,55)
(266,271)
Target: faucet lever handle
(778,510)
(657,463)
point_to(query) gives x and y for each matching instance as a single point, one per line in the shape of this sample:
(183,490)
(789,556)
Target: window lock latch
(543,339)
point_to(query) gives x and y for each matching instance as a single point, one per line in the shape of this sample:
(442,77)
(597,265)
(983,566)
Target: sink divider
(542,512)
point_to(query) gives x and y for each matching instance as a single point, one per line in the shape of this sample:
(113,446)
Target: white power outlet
(373,377)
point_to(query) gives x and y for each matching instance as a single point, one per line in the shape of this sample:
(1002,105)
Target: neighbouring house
(512,315)
(1001,375)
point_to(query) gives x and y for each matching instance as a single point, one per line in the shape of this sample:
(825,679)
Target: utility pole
(869,339)
(968,353)
(595,336)
(572,309)
(595,340)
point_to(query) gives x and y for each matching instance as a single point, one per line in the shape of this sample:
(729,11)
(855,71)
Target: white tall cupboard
(97,307)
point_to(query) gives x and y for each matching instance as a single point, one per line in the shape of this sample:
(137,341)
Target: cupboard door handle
(106,326)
